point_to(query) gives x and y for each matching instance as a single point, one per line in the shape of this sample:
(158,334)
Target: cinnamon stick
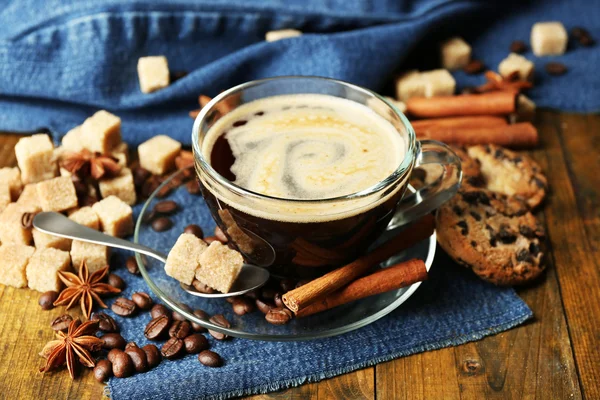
(493,103)
(305,295)
(521,135)
(476,121)
(384,280)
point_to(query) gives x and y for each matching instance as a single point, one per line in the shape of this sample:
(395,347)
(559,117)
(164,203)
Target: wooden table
(554,356)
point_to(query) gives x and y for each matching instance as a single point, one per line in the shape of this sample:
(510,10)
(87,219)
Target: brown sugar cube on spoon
(219,266)
(182,261)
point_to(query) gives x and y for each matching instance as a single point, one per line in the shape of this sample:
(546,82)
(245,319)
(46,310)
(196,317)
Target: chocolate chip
(556,68)
(534,249)
(474,67)
(475,197)
(517,159)
(457,210)
(518,46)
(539,183)
(473,243)
(505,235)
(526,231)
(465,228)
(523,255)
(475,215)
(240,122)
(475,181)
(499,154)
(162,224)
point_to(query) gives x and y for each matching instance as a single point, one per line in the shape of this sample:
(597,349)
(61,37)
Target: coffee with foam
(306,146)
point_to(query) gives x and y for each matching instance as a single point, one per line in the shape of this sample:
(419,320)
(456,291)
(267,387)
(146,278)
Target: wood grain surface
(554,356)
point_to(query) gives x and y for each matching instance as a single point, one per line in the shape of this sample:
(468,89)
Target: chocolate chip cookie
(493,234)
(428,173)
(513,174)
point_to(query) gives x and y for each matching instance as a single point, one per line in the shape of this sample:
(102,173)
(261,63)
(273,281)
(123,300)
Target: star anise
(84,163)
(74,345)
(498,82)
(86,288)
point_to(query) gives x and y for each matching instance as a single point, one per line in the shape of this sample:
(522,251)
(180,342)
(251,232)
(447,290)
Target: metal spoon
(251,277)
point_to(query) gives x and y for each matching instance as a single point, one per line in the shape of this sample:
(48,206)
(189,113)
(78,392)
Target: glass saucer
(336,321)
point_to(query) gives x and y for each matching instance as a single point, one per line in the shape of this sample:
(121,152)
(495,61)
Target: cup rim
(404,166)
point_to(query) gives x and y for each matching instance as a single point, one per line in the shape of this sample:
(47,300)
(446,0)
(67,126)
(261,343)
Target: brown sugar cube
(515,62)
(29,196)
(455,53)
(273,36)
(410,85)
(42,269)
(11,229)
(219,266)
(548,38)
(121,186)
(12,178)
(101,132)
(116,216)
(182,261)
(35,156)
(73,140)
(438,82)
(158,154)
(4,196)
(96,256)
(121,153)
(57,194)
(13,262)
(86,216)
(153,73)
(44,240)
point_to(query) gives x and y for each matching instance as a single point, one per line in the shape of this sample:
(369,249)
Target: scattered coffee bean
(47,300)
(113,341)
(123,307)
(116,281)
(138,357)
(103,370)
(176,75)
(162,224)
(193,187)
(149,216)
(268,294)
(555,68)
(221,237)
(132,266)
(578,32)
(210,239)
(149,186)
(61,323)
(587,41)
(130,345)
(158,310)
(287,285)
(474,67)
(172,348)
(122,365)
(152,355)
(202,288)
(157,328)
(219,320)
(518,46)
(195,343)
(166,207)
(112,353)
(202,315)
(142,300)
(242,305)
(179,317)
(210,359)
(277,300)
(278,316)
(106,323)
(194,230)
(140,175)
(230,300)
(180,329)
(263,306)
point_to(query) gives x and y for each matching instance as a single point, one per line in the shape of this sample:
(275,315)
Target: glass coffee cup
(303,238)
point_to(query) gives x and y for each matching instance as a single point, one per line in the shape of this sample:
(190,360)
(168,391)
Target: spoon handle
(58,225)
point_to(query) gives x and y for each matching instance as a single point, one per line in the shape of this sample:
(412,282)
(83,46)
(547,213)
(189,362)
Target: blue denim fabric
(452,307)
(61,60)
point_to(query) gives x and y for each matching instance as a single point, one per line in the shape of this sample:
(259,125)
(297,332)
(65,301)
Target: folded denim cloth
(61,60)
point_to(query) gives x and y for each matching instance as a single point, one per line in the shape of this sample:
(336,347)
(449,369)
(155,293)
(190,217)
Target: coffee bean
(162,224)
(116,281)
(106,323)
(112,353)
(149,216)
(474,67)
(277,300)
(202,288)
(47,300)
(219,320)
(242,306)
(253,294)
(221,237)
(518,46)
(113,341)
(140,175)
(61,323)
(210,239)
(172,348)
(158,310)
(180,317)
(263,306)
(132,266)
(587,41)
(152,355)
(166,207)
(193,187)
(130,345)
(578,32)
(286,285)
(103,370)
(122,365)
(142,300)
(202,315)
(268,294)
(157,328)
(278,316)
(230,299)
(176,75)
(210,359)
(195,343)
(194,230)
(138,357)
(123,307)
(555,68)
(180,329)
(149,186)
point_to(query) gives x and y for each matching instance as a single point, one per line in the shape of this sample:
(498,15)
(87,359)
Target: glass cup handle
(423,201)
